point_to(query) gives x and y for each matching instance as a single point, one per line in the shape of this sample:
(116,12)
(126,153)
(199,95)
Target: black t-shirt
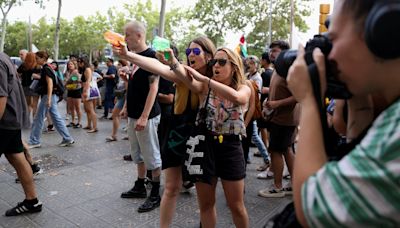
(266,78)
(138,89)
(166,87)
(46,71)
(26,75)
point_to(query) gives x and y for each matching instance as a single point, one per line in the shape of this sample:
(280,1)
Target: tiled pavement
(81,187)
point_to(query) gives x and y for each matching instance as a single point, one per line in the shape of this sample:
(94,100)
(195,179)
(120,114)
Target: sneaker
(50,128)
(288,190)
(127,157)
(271,193)
(31,146)
(263,167)
(36,170)
(65,143)
(267,174)
(257,154)
(135,192)
(150,204)
(187,187)
(23,208)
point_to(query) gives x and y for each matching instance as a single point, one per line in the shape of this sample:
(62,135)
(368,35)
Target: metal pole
(270,23)
(291,22)
(162,19)
(30,35)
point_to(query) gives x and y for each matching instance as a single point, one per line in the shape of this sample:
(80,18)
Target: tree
(5,6)
(218,17)
(57,33)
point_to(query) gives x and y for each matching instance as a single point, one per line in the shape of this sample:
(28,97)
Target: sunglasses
(221,62)
(196,51)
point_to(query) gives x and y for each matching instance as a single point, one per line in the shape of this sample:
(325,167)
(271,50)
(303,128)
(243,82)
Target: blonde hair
(238,77)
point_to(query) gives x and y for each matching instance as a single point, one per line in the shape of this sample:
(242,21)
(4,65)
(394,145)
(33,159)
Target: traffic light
(324,10)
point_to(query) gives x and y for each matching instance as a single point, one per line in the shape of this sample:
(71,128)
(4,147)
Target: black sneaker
(135,192)
(23,208)
(150,204)
(36,170)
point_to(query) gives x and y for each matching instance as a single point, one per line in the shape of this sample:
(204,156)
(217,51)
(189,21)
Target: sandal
(70,125)
(111,139)
(78,125)
(93,130)
(87,128)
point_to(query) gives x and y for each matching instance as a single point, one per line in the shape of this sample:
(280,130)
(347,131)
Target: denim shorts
(144,144)
(10,141)
(120,103)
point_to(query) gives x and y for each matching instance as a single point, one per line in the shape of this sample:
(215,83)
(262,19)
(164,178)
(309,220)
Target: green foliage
(17,38)
(217,17)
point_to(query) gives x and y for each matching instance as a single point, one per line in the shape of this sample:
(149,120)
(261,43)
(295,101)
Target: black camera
(335,88)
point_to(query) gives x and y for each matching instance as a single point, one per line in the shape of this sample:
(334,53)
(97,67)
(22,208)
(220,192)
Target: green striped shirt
(362,189)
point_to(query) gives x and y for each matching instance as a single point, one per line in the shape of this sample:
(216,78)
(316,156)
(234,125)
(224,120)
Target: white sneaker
(31,146)
(288,190)
(271,192)
(267,174)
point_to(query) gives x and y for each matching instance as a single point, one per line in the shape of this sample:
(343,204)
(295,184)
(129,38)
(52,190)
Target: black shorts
(170,159)
(262,123)
(280,137)
(10,141)
(229,163)
(77,93)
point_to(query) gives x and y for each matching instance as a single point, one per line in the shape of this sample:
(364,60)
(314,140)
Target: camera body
(335,88)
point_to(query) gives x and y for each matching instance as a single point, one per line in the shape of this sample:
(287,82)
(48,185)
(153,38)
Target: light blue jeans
(144,144)
(38,122)
(256,139)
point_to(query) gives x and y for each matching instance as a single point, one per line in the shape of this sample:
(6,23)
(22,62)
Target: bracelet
(174,66)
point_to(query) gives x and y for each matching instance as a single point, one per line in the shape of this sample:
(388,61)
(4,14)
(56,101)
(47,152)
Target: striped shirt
(362,189)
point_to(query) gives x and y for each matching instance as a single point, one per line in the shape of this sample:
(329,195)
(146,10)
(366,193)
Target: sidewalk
(81,187)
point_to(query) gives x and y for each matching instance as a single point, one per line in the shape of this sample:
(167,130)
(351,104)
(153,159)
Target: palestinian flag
(241,48)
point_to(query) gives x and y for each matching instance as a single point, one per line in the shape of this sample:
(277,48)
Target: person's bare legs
(76,102)
(24,172)
(289,159)
(206,201)
(35,101)
(173,183)
(29,104)
(92,106)
(277,168)
(28,155)
(71,109)
(115,119)
(234,194)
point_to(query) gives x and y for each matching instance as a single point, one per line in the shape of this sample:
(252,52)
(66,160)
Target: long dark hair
(85,61)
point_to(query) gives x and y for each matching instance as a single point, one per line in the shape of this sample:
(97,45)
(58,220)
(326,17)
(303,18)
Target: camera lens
(284,61)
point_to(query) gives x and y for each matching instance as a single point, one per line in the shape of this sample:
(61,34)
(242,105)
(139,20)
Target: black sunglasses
(196,51)
(221,62)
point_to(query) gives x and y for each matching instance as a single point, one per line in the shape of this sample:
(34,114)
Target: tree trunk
(3,32)
(4,24)
(162,19)
(57,33)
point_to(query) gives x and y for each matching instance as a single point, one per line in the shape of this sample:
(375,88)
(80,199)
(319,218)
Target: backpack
(257,111)
(58,86)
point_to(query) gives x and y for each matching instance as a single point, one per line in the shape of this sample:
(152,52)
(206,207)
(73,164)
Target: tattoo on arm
(153,78)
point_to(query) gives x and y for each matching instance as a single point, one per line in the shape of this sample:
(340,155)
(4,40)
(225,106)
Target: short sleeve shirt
(15,114)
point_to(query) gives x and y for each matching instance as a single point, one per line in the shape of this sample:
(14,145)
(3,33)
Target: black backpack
(58,86)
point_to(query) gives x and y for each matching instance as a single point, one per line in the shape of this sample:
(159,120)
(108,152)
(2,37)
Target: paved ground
(82,184)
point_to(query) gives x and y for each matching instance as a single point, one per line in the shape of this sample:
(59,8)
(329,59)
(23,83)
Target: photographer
(362,189)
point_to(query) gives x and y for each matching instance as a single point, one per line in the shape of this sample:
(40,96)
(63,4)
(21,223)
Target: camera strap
(316,85)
